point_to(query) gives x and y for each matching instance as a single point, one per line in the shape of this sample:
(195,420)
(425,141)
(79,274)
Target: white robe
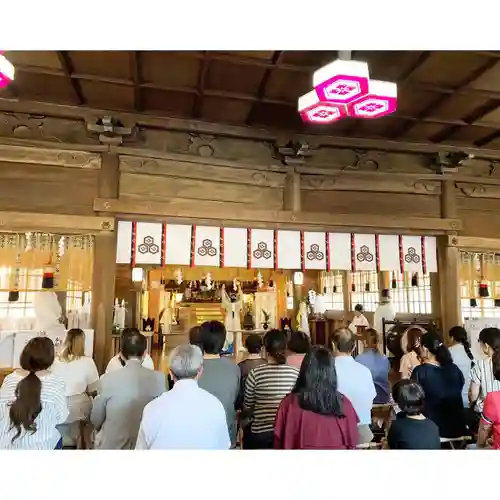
(358,321)
(232,321)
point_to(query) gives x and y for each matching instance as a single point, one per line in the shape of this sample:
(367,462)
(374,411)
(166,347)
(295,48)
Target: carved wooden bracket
(109,130)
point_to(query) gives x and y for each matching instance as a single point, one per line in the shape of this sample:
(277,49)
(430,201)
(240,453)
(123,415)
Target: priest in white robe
(386,311)
(359,320)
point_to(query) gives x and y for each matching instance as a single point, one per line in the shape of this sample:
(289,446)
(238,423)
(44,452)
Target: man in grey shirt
(220,377)
(117,410)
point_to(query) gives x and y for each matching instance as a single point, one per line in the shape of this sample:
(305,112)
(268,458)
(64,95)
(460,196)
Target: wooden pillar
(103,283)
(449,263)
(291,196)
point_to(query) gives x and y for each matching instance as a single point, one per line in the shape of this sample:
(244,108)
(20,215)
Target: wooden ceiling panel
(172,70)
(423,131)
(110,64)
(240,78)
(448,68)
(314,58)
(467,135)
(265,55)
(41,87)
(412,101)
(286,85)
(163,102)
(388,65)
(36,59)
(219,109)
(275,115)
(378,127)
(492,116)
(459,106)
(490,80)
(107,95)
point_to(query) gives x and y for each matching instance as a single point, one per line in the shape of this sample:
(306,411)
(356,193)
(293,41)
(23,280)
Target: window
(30,280)
(74,296)
(407,298)
(332,285)
(366,290)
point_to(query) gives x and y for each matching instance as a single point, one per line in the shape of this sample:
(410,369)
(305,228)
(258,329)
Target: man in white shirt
(187,417)
(119,361)
(385,310)
(355,381)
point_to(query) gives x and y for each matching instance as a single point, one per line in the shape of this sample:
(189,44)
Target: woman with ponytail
(265,388)
(482,379)
(462,356)
(33,401)
(442,382)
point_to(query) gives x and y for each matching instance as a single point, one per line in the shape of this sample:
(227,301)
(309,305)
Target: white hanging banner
(235,247)
(178,245)
(388,251)
(430,254)
(148,241)
(289,252)
(365,253)
(207,246)
(314,250)
(124,242)
(262,248)
(339,251)
(411,250)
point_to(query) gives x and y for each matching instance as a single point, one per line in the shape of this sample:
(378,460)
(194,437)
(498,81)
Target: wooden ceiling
(444,97)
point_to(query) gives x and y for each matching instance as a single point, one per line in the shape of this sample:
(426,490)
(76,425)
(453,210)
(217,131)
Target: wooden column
(291,196)
(449,263)
(103,283)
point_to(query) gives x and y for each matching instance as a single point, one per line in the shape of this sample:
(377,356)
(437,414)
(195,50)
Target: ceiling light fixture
(7,71)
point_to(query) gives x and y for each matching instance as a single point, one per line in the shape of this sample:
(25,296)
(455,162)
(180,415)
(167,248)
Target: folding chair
(458,443)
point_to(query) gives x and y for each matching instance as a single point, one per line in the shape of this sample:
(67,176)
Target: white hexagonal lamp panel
(313,111)
(380,101)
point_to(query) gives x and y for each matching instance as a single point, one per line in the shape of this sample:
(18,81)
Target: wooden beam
(67,68)
(218,213)
(474,244)
(28,221)
(136,73)
(200,86)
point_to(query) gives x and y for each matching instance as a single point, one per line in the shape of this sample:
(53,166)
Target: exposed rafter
(200,86)
(67,68)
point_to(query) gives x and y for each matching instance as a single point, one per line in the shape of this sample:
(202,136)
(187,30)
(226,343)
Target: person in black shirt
(442,382)
(411,430)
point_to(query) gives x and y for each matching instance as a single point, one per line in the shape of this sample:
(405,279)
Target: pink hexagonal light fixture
(381,100)
(312,110)
(6,71)
(341,81)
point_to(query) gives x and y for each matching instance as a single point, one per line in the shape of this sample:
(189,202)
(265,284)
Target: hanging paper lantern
(483,289)
(497,302)
(473,302)
(353,287)
(341,81)
(312,110)
(48,277)
(414,279)
(381,100)
(7,71)
(394,282)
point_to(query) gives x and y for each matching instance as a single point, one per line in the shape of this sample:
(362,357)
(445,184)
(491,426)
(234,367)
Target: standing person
(298,345)
(359,319)
(81,379)
(355,381)
(442,382)
(412,430)
(482,380)
(462,356)
(221,376)
(119,361)
(33,401)
(378,364)
(411,358)
(385,311)
(187,417)
(265,388)
(117,410)
(316,416)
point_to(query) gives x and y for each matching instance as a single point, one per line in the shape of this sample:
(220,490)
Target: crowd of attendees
(285,393)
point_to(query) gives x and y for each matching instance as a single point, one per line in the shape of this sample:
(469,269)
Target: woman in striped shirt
(33,401)
(265,388)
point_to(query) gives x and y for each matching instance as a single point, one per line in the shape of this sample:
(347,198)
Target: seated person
(442,382)
(33,401)
(412,430)
(315,415)
(253,345)
(117,410)
(119,360)
(298,345)
(221,376)
(411,358)
(378,364)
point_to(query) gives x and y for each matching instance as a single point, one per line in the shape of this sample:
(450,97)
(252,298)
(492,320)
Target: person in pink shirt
(489,426)
(298,346)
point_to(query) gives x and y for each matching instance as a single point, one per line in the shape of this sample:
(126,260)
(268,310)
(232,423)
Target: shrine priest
(359,319)
(385,311)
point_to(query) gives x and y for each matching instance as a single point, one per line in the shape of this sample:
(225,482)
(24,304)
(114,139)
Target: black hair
(491,337)
(409,396)
(275,343)
(194,336)
(212,337)
(359,308)
(435,345)
(38,355)
(343,339)
(253,343)
(459,334)
(316,385)
(134,345)
(299,342)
